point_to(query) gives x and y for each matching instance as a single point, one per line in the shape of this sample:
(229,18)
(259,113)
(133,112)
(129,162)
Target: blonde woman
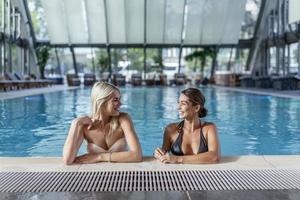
(192,140)
(108,132)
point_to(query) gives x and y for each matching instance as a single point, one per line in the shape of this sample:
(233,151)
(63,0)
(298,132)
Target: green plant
(158,60)
(201,55)
(102,60)
(42,54)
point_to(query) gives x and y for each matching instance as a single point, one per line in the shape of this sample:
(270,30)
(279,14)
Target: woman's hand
(158,152)
(87,121)
(167,158)
(87,159)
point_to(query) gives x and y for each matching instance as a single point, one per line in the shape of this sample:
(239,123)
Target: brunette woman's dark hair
(196,98)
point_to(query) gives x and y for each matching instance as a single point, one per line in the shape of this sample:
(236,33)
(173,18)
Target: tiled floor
(27,92)
(262,91)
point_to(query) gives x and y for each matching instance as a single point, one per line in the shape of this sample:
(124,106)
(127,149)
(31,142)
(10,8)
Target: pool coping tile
(43,164)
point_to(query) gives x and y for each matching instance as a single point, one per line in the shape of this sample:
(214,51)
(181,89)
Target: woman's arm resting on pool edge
(74,139)
(212,156)
(134,154)
(158,152)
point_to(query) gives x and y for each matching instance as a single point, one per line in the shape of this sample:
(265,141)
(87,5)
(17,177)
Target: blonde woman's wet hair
(100,94)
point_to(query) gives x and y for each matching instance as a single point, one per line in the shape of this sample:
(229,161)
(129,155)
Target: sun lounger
(163,79)
(118,79)
(29,82)
(73,80)
(19,84)
(150,80)
(136,79)
(180,79)
(5,84)
(89,79)
(286,82)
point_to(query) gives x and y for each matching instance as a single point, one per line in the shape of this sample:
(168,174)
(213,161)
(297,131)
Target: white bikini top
(119,145)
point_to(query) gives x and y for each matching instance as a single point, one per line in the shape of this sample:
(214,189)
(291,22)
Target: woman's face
(185,107)
(113,104)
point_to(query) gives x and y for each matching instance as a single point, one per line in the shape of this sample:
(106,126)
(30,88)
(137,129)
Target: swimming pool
(247,123)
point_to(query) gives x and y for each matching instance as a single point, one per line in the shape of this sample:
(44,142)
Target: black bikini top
(176,146)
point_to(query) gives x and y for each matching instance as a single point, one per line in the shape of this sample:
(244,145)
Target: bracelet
(109,157)
(179,160)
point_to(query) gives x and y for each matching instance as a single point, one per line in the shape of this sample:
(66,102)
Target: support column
(19,58)
(283,60)
(229,64)
(3,59)
(74,60)
(93,60)
(9,56)
(109,63)
(288,59)
(179,62)
(28,60)
(25,59)
(22,62)
(145,64)
(214,63)
(57,60)
(268,60)
(1,66)
(299,58)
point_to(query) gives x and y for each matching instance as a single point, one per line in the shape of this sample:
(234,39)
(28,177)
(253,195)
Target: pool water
(247,123)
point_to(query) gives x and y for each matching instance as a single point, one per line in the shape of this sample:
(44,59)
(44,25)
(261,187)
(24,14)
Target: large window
(38,19)
(294,62)
(250,18)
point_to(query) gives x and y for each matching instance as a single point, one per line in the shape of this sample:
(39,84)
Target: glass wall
(38,19)
(294,62)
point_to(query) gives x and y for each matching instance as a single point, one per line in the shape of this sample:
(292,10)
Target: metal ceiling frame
(132,45)
(242,43)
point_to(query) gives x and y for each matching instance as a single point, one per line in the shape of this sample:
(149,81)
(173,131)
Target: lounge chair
(136,79)
(89,79)
(43,82)
(19,84)
(150,80)
(163,79)
(29,82)
(73,80)
(5,84)
(263,82)
(56,79)
(247,81)
(118,79)
(286,82)
(198,79)
(180,79)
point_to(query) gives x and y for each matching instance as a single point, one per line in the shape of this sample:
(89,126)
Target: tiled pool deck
(13,164)
(22,164)
(260,91)
(149,164)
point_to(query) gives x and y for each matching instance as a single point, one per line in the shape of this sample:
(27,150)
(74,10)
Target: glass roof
(174,22)
(294,14)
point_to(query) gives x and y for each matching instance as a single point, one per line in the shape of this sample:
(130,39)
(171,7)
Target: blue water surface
(247,123)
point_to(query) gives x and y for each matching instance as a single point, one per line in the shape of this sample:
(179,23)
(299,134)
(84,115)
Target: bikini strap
(180,127)
(201,133)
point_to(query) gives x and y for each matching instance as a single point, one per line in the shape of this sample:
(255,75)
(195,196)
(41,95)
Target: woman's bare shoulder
(124,117)
(171,127)
(209,127)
